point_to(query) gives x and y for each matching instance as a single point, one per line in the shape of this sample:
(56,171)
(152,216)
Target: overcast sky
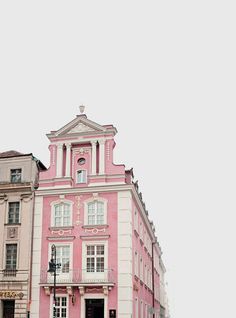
(164,74)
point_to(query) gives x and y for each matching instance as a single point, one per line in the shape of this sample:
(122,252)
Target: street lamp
(53,266)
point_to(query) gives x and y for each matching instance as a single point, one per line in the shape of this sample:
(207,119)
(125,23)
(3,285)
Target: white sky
(164,73)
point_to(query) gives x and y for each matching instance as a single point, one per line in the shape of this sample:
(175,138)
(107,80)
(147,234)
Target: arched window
(62,215)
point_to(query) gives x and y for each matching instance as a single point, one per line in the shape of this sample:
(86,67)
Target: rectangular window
(13,212)
(95,213)
(15,175)
(95,258)
(61,307)
(63,258)
(81,176)
(11,256)
(62,215)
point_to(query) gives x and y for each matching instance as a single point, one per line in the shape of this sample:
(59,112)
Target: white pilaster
(68,159)
(36,255)
(101,156)
(94,157)
(125,280)
(59,160)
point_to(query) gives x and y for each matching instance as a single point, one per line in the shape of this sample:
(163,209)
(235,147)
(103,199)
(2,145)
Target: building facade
(90,214)
(18,181)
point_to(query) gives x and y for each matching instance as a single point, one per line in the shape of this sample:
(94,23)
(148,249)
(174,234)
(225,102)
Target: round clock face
(81,161)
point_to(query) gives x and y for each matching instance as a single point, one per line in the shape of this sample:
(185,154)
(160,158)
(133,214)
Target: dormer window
(81,176)
(16,175)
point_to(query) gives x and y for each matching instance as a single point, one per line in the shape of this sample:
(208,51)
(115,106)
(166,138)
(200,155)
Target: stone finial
(81,108)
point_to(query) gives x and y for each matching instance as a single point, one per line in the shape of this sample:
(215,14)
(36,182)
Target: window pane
(62,215)
(81,176)
(15,175)
(100,249)
(13,212)
(11,256)
(90,264)
(100,264)
(90,250)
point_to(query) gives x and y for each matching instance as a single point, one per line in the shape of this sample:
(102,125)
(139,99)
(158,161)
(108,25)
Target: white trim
(101,156)
(36,255)
(93,199)
(125,255)
(59,244)
(54,203)
(67,304)
(94,157)
(68,160)
(85,176)
(93,296)
(59,160)
(86,275)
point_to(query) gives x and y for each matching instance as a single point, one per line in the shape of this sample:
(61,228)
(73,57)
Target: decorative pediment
(81,125)
(80,128)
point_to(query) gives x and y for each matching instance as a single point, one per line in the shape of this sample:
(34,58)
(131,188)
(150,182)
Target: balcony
(78,277)
(9,273)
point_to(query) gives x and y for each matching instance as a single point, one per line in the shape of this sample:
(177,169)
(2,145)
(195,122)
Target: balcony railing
(9,272)
(78,277)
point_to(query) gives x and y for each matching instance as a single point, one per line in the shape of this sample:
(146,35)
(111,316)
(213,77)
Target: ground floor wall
(14,299)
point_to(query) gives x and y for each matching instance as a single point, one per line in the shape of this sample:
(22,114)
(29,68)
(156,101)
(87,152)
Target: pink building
(92,212)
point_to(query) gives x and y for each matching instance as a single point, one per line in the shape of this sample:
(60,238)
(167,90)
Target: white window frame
(8,210)
(21,175)
(94,275)
(84,176)
(53,206)
(61,275)
(86,205)
(17,255)
(67,304)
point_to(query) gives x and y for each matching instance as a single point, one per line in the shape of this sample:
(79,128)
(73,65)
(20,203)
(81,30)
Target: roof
(11,153)
(14,153)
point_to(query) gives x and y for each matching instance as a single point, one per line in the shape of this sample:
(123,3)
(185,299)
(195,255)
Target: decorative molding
(3,198)
(94,237)
(81,290)
(26,197)
(80,127)
(105,290)
(12,233)
(95,230)
(61,238)
(69,290)
(61,232)
(47,290)
(93,289)
(79,204)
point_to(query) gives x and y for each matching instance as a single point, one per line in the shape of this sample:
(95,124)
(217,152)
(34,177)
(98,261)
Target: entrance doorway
(94,308)
(8,308)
